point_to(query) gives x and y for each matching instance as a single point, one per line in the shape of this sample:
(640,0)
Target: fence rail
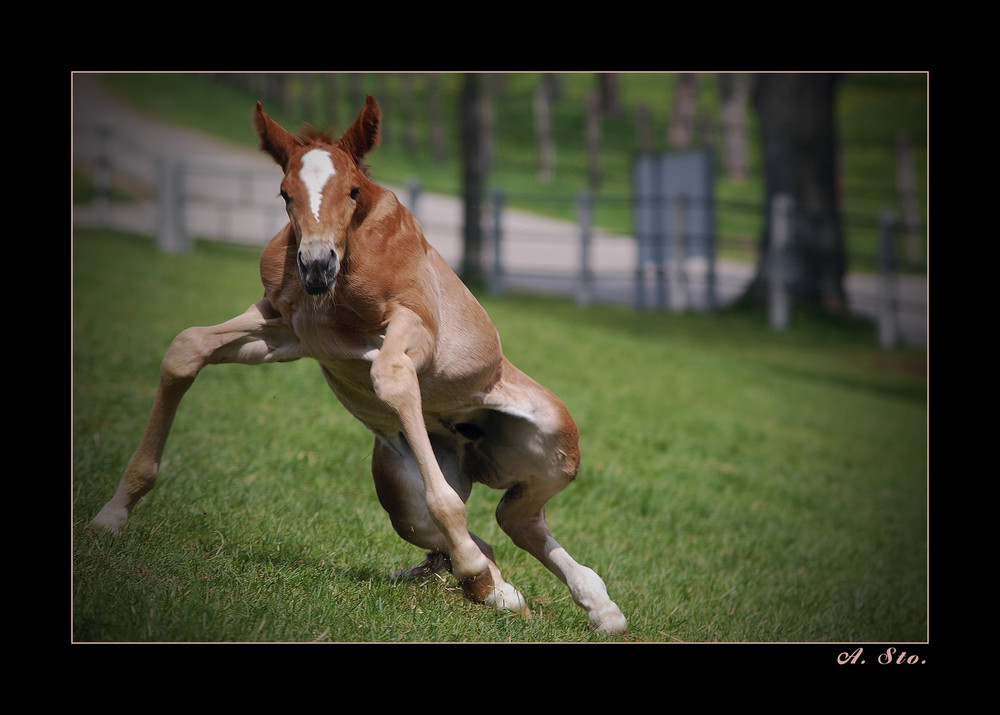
(237,203)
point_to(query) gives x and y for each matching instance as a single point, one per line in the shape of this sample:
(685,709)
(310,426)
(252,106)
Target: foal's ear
(274,139)
(365,133)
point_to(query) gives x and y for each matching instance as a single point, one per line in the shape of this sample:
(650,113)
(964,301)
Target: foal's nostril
(318,273)
(321,262)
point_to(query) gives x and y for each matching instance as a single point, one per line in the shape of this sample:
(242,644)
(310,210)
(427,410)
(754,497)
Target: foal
(351,282)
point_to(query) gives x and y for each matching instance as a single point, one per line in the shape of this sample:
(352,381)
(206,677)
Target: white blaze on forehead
(317,167)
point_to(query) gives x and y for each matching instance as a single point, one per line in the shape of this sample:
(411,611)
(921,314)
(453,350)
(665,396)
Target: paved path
(539,254)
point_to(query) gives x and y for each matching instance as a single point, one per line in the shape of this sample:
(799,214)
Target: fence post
(888,325)
(711,294)
(171,232)
(640,286)
(660,251)
(496,275)
(678,249)
(102,177)
(585,211)
(782,207)
(413,188)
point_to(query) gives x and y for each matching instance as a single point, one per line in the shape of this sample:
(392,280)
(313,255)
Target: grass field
(737,485)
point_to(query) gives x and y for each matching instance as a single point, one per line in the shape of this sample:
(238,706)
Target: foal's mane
(310,135)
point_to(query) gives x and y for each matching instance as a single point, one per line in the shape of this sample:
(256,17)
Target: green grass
(871,110)
(737,485)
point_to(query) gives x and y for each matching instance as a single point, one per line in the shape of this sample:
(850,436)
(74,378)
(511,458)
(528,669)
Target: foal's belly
(350,381)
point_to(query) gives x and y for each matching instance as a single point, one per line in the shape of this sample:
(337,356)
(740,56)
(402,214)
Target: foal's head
(322,188)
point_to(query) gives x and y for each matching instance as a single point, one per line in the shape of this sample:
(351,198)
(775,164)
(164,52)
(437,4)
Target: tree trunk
(681,132)
(593,120)
(543,134)
(644,128)
(331,102)
(473,172)
(799,142)
(610,88)
(734,89)
(410,113)
(438,142)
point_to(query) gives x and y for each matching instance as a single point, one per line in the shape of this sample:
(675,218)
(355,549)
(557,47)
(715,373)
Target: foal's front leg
(407,348)
(257,336)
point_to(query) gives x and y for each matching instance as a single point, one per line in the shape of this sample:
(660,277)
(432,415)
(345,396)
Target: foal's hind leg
(400,490)
(536,456)
(257,336)
(521,514)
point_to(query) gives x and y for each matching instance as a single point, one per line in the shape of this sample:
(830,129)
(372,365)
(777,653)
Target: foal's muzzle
(318,273)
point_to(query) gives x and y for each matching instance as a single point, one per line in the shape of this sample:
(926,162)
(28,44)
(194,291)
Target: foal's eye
(284,195)
(354,193)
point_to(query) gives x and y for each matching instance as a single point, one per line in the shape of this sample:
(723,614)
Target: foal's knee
(184,358)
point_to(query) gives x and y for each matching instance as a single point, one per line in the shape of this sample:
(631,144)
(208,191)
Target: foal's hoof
(508,598)
(609,619)
(110,520)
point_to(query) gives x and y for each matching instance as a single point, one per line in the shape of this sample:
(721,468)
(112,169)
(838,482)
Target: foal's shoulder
(278,270)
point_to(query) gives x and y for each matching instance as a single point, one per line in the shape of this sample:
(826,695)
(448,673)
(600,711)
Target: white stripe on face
(317,167)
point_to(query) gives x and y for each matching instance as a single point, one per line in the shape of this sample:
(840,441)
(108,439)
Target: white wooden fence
(234,203)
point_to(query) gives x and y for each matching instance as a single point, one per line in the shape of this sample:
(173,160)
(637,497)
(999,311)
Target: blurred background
(534,181)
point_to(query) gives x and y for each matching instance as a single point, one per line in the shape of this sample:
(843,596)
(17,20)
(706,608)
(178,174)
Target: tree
(609,88)
(799,143)
(473,175)
(681,130)
(733,90)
